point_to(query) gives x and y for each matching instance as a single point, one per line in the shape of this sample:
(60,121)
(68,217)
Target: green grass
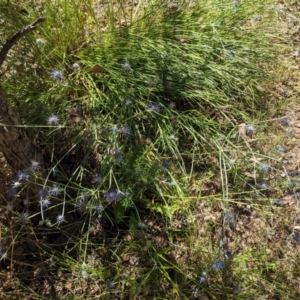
(182,168)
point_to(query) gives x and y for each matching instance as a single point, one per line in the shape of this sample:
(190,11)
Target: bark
(15,144)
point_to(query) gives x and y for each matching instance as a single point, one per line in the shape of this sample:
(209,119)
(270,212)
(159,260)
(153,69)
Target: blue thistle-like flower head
(154,107)
(16,184)
(126,66)
(286,122)
(115,129)
(76,66)
(250,129)
(22,218)
(112,196)
(82,205)
(125,131)
(57,75)
(115,196)
(43,192)
(45,202)
(142,225)
(230,218)
(60,219)
(263,186)
(228,254)
(98,179)
(100,209)
(22,175)
(264,167)
(296,237)
(53,120)
(34,165)
(127,101)
(40,42)
(231,53)
(281,149)
(54,190)
(12,192)
(118,156)
(166,164)
(203,277)
(218,265)
(110,284)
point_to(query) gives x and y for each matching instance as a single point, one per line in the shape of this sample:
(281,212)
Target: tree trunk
(15,145)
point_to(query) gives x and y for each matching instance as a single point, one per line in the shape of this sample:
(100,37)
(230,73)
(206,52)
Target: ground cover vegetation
(159,176)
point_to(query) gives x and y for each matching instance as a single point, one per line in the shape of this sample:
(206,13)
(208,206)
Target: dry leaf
(97,69)
(242,130)
(68,285)
(75,113)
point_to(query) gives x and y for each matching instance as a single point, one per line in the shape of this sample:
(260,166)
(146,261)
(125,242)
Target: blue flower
(40,42)
(115,196)
(203,277)
(54,190)
(115,129)
(228,254)
(53,119)
(112,196)
(22,218)
(263,186)
(57,75)
(231,53)
(60,218)
(218,265)
(166,164)
(98,179)
(12,192)
(34,165)
(22,175)
(110,284)
(250,129)
(296,236)
(100,209)
(82,205)
(16,184)
(45,202)
(125,131)
(127,101)
(281,149)
(154,107)
(264,167)
(142,225)
(43,192)
(286,122)
(127,66)
(118,156)
(230,218)
(76,66)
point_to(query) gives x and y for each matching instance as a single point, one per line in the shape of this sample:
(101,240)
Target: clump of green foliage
(129,101)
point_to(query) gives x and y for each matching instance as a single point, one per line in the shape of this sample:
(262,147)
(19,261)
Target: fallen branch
(13,40)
